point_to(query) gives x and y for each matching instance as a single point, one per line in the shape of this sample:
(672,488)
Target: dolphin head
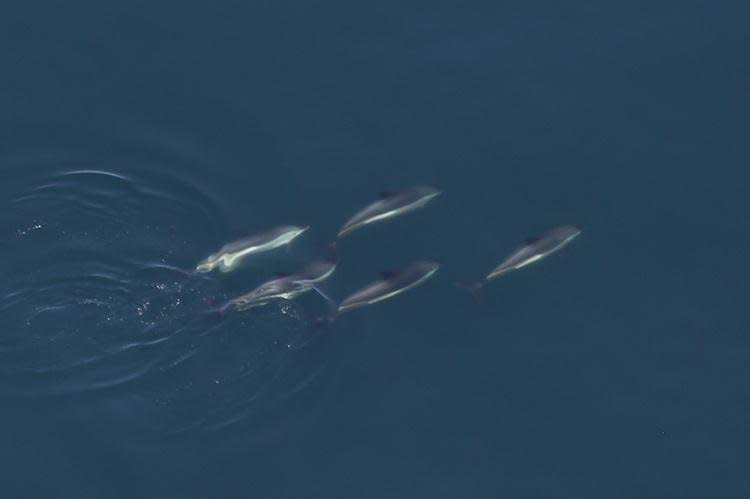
(300,229)
(427,191)
(288,233)
(568,232)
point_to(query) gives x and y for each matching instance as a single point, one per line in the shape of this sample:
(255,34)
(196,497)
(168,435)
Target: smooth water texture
(136,139)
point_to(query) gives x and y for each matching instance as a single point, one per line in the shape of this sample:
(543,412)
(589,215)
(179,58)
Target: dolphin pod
(390,205)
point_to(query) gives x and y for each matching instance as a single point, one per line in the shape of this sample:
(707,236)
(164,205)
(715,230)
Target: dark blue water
(137,138)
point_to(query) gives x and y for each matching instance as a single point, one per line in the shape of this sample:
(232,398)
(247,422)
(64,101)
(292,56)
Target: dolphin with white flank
(392,284)
(286,287)
(231,254)
(390,205)
(533,249)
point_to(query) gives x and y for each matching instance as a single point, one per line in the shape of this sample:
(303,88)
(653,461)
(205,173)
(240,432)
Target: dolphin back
(390,205)
(394,284)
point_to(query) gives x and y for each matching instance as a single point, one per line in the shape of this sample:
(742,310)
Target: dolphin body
(391,285)
(286,287)
(390,205)
(533,249)
(231,254)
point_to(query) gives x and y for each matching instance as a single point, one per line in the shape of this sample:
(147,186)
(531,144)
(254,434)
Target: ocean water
(137,138)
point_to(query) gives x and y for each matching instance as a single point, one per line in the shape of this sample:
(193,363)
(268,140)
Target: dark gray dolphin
(286,287)
(391,285)
(533,249)
(231,254)
(390,205)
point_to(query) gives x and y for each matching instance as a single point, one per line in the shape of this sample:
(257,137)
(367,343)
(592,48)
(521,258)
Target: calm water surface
(137,138)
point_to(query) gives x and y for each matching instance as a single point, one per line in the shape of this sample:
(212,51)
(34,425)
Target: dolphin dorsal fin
(385,194)
(388,274)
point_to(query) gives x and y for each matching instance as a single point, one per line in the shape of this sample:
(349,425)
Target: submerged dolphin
(286,287)
(391,285)
(534,249)
(231,254)
(390,205)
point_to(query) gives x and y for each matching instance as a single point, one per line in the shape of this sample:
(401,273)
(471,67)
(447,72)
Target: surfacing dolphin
(286,287)
(533,249)
(392,284)
(390,205)
(231,254)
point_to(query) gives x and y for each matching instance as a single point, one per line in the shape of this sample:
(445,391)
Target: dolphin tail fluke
(475,288)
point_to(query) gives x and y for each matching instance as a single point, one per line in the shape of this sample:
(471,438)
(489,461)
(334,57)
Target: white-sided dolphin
(286,287)
(533,249)
(390,205)
(231,254)
(392,284)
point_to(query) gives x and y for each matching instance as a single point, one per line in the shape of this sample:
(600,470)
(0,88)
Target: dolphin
(392,284)
(390,205)
(286,287)
(533,249)
(231,254)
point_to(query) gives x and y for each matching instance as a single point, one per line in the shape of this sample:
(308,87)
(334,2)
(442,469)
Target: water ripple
(99,303)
